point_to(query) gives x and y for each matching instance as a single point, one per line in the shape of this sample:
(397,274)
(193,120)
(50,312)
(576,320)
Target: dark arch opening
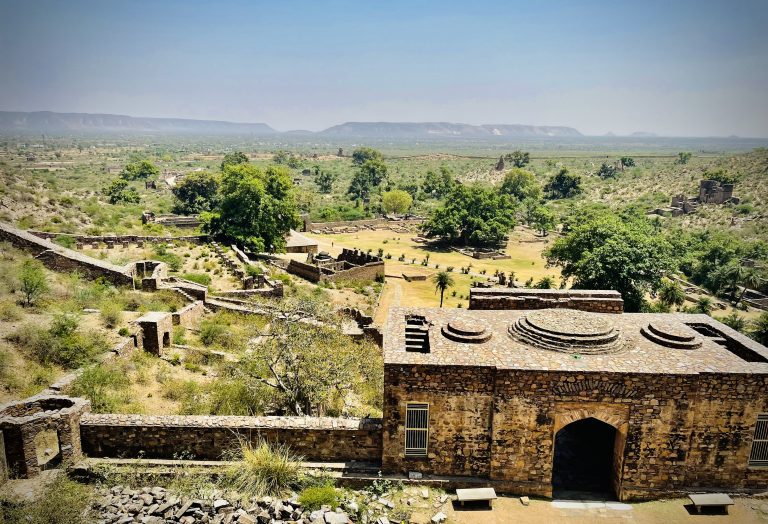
(166,339)
(584,458)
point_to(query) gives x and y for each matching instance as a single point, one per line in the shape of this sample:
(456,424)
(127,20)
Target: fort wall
(516,298)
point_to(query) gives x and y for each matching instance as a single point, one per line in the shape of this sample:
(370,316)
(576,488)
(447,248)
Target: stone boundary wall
(189,316)
(62,259)
(511,298)
(374,223)
(211,437)
(121,239)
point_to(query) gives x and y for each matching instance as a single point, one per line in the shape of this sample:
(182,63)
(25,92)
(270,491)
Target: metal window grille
(416,429)
(759,455)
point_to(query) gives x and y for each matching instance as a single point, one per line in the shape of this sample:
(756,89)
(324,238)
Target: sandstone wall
(190,315)
(211,437)
(374,223)
(516,298)
(675,433)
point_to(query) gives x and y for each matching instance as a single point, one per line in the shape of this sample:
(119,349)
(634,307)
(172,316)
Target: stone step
(523,325)
(668,342)
(460,337)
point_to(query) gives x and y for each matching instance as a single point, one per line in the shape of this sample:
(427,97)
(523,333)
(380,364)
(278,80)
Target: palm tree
(750,279)
(443,280)
(671,293)
(704,305)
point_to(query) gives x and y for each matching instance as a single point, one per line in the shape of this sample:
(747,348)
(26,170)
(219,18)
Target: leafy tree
(607,171)
(234,158)
(256,208)
(196,192)
(627,161)
(721,176)
(683,157)
(142,169)
(610,252)
(472,215)
(437,185)
(563,185)
(361,155)
(542,219)
(287,158)
(119,191)
(369,176)
(520,184)
(518,158)
(325,180)
(671,293)
(33,283)
(443,280)
(734,321)
(359,186)
(750,280)
(396,201)
(704,305)
(310,366)
(760,329)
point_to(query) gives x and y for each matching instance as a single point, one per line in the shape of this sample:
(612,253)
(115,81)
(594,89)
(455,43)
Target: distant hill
(50,122)
(443,129)
(644,134)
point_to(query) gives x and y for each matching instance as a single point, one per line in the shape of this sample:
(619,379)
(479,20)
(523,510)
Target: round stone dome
(568,331)
(468,331)
(671,335)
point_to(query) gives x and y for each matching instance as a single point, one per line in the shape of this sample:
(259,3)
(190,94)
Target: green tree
(518,158)
(720,175)
(256,208)
(396,201)
(361,155)
(443,280)
(734,321)
(33,283)
(671,293)
(542,219)
(563,185)
(683,157)
(627,161)
(760,329)
(325,180)
(611,252)
(437,185)
(359,186)
(520,184)
(751,279)
(120,192)
(369,176)
(546,282)
(234,158)
(472,215)
(142,169)
(607,171)
(196,192)
(704,305)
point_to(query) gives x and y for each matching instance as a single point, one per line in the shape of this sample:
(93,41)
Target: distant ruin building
(351,264)
(181,221)
(340,152)
(500,164)
(710,192)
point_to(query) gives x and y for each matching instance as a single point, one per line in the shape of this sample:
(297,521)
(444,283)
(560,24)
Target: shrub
(111,314)
(105,386)
(200,278)
(315,497)
(179,337)
(212,333)
(62,501)
(9,311)
(123,332)
(265,469)
(65,240)
(33,283)
(253,270)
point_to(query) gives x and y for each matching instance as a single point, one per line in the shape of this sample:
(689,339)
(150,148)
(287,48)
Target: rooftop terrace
(570,340)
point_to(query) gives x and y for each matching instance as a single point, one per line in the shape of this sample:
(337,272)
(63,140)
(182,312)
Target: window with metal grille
(759,455)
(416,429)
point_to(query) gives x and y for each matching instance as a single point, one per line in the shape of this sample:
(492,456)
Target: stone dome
(568,331)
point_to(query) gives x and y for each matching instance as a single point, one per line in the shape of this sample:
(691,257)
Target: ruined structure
(349,265)
(182,221)
(298,243)
(710,192)
(535,401)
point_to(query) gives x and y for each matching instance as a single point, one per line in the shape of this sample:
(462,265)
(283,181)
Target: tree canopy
(472,215)
(142,169)
(120,192)
(563,185)
(325,180)
(518,158)
(437,185)
(255,207)
(396,201)
(520,184)
(369,176)
(233,159)
(195,193)
(609,252)
(361,155)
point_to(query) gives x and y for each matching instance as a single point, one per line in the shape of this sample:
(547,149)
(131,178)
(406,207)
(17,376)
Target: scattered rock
(415,475)
(439,517)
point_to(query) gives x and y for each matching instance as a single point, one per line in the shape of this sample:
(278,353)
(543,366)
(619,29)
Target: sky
(675,68)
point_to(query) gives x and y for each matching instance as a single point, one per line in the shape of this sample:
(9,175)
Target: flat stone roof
(152,316)
(634,352)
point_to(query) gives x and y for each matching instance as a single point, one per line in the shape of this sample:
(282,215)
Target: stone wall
(374,223)
(674,433)
(190,315)
(517,298)
(211,437)
(140,240)
(351,264)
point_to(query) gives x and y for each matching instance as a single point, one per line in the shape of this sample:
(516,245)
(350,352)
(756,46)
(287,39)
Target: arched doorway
(583,460)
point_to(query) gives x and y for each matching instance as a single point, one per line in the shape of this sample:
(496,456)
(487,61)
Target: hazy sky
(688,68)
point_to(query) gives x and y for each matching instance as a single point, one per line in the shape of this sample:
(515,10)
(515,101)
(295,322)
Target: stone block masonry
(211,437)
(517,298)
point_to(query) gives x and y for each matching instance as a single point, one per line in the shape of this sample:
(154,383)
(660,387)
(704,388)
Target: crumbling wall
(190,315)
(210,437)
(516,298)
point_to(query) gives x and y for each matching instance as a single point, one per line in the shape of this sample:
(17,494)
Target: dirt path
(507,509)
(391,297)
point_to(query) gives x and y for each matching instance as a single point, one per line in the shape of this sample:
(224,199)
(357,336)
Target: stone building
(542,401)
(351,264)
(710,192)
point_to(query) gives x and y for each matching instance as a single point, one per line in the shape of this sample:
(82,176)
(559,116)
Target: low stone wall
(347,225)
(121,239)
(189,316)
(512,298)
(211,437)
